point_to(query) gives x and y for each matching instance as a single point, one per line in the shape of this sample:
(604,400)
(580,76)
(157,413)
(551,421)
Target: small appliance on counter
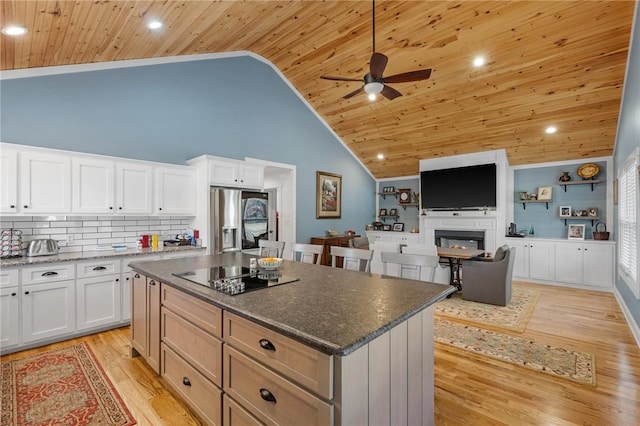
(512,232)
(45,247)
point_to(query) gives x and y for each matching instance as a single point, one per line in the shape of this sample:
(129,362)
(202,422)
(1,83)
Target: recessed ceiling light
(154,25)
(380,157)
(551,129)
(14,30)
(478,61)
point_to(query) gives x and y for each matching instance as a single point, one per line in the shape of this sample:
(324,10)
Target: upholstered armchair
(487,281)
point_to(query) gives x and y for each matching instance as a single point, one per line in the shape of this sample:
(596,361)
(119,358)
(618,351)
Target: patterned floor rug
(64,386)
(514,316)
(578,367)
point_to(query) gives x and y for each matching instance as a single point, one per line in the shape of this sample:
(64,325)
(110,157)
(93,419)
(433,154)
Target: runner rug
(514,316)
(64,386)
(576,366)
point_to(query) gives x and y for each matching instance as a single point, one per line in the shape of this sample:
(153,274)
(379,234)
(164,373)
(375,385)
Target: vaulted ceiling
(559,63)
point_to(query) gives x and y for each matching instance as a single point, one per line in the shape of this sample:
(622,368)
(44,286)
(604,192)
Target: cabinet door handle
(25,206)
(99,268)
(267,345)
(152,282)
(186,381)
(26,292)
(159,208)
(117,279)
(13,294)
(110,207)
(12,206)
(267,395)
(49,274)
(137,276)
(127,278)
(119,208)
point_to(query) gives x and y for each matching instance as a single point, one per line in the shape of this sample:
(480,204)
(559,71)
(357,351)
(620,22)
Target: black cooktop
(235,279)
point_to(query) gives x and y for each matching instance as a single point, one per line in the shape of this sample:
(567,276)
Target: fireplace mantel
(433,221)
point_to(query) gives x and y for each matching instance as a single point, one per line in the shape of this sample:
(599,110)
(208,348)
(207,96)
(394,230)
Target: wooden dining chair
(411,265)
(307,253)
(270,248)
(352,258)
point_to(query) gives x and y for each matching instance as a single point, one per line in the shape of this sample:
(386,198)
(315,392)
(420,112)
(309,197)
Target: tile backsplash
(87,233)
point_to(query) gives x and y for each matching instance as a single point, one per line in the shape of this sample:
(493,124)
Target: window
(628,222)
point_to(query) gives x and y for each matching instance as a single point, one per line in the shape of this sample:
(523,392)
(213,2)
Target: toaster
(46,247)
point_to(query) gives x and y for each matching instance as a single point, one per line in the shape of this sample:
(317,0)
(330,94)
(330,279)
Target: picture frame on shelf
(565,211)
(592,212)
(386,227)
(328,195)
(576,232)
(544,193)
(404,195)
(524,196)
(398,227)
(580,213)
(383,212)
(393,212)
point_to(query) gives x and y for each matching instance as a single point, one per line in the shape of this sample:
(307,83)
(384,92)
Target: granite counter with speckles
(88,255)
(330,309)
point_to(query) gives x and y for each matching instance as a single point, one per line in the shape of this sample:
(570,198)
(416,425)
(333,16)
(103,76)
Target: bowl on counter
(269,263)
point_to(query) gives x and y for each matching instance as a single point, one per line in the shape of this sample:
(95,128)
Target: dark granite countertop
(98,254)
(330,309)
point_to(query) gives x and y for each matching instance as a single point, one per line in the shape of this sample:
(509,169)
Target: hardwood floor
(470,389)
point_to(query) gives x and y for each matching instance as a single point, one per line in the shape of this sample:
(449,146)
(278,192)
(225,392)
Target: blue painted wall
(231,107)
(628,137)
(547,223)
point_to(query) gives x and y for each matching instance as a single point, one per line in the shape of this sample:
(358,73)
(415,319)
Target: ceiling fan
(374,82)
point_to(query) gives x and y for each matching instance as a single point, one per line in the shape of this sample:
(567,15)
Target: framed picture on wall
(328,195)
(544,193)
(565,211)
(404,195)
(576,232)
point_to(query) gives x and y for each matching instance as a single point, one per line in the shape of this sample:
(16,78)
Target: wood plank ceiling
(558,63)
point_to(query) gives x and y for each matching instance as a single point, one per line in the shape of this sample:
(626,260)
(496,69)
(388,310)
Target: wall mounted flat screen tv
(459,188)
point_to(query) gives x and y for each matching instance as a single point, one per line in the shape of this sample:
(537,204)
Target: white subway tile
(110,228)
(149,222)
(21,225)
(66,224)
(96,235)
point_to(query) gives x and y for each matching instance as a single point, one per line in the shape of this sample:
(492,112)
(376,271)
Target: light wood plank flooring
(470,389)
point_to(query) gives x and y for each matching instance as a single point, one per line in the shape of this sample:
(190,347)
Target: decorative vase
(565,177)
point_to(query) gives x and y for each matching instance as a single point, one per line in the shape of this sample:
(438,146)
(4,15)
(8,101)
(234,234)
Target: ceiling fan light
(373,88)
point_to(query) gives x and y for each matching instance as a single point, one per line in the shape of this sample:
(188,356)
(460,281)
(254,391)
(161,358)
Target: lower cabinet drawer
(235,415)
(269,396)
(201,395)
(201,349)
(203,314)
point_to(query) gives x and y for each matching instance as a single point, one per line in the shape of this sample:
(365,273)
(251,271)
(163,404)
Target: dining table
(455,256)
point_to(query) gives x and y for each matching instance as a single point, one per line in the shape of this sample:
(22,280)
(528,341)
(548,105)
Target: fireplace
(462,239)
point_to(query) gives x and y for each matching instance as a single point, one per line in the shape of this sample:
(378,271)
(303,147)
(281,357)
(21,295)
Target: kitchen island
(334,347)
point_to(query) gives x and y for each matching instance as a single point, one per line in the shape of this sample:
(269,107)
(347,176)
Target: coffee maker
(512,230)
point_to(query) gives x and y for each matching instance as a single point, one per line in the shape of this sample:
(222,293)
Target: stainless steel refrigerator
(239,218)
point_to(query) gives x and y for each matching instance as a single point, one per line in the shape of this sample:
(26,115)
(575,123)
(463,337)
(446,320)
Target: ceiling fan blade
(329,77)
(377,64)
(352,94)
(406,77)
(390,93)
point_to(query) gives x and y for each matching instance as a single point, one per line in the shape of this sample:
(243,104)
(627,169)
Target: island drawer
(233,414)
(300,363)
(199,348)
(201,395)
(199,312)
(269,396)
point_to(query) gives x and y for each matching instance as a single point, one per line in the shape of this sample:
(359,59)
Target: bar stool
(307,253)
(352,258)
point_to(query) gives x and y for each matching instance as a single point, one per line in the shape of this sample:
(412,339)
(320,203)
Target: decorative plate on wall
(405,196)
(588,171)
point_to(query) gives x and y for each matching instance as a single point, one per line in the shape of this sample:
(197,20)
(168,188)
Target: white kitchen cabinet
(98,292)
(534,259)
(98,300)
(48,310)
(235,173)
(45,183)
(8,181)
(585,264)
(9,316)
(175,191)
(105,186)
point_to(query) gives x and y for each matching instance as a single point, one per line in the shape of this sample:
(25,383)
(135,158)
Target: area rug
(514,316)
(64,386)
(576,366)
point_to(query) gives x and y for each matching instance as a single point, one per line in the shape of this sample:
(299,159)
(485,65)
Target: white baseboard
(635,329)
